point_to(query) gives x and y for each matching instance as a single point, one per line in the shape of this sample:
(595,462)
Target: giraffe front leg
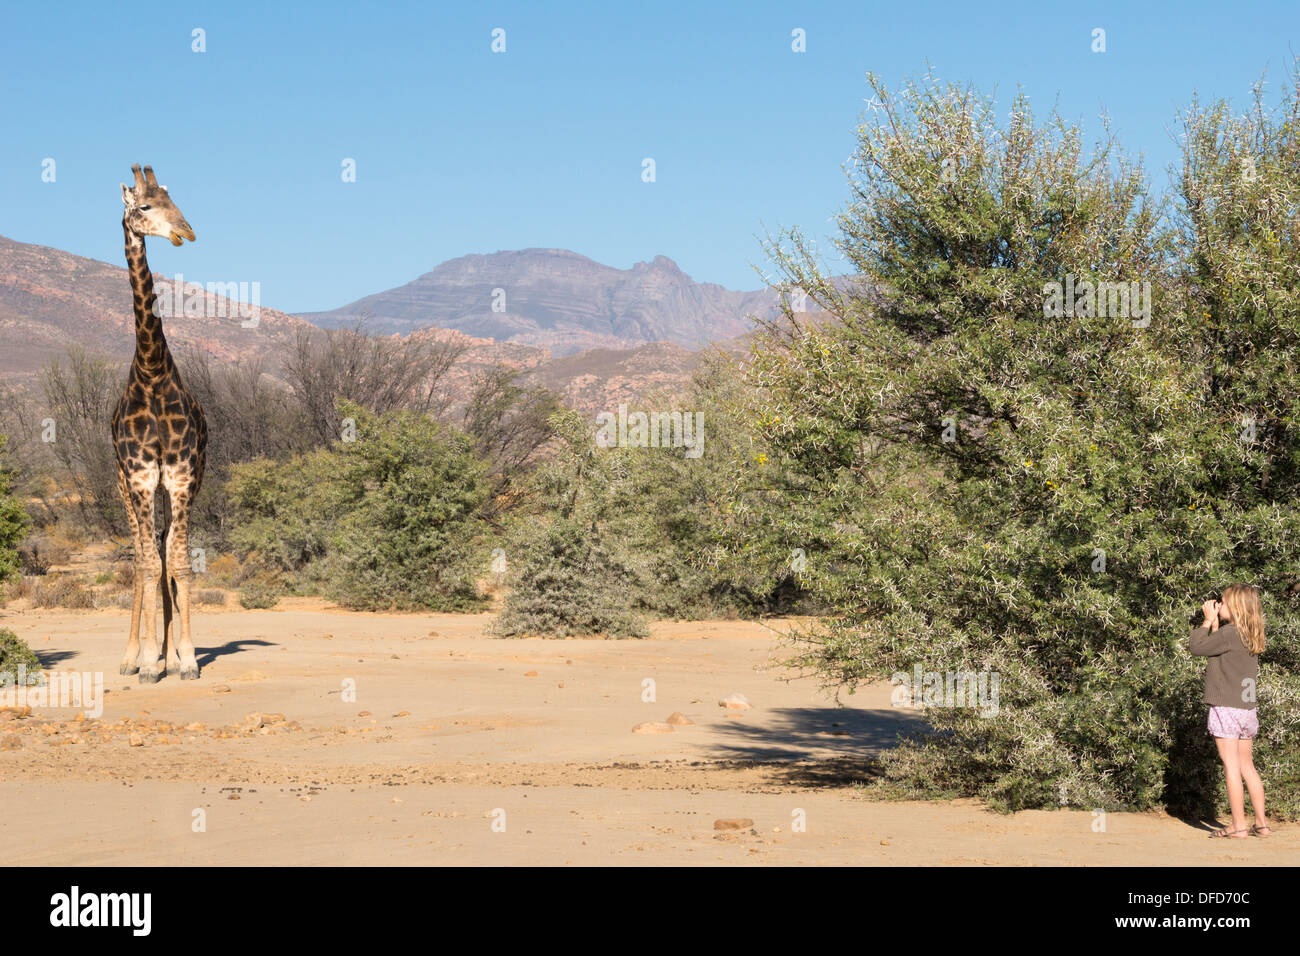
(149,570)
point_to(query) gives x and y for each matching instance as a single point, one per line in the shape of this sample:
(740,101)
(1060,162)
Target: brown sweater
(1230,671)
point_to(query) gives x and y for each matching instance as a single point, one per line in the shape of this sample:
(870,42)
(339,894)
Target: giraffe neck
(153,360)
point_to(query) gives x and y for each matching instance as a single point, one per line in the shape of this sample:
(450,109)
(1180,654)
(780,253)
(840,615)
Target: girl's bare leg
(1254,785)
(1232,773)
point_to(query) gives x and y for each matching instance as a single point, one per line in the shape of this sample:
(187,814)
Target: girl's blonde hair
(1247,614)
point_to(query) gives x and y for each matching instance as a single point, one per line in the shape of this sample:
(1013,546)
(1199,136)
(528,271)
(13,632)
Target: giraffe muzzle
(180,233)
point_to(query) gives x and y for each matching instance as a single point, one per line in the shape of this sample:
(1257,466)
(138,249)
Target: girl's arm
(1205,642)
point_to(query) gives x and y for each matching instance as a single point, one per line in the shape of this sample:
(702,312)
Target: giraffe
(159,440)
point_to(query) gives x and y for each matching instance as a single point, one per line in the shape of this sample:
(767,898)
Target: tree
(1024,489)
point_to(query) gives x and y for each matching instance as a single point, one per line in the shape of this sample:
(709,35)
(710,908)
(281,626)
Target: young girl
(1232,639)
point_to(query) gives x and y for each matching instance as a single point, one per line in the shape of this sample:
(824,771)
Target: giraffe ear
(128,197)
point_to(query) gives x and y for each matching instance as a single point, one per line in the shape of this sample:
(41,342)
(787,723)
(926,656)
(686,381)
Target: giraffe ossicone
(159,440)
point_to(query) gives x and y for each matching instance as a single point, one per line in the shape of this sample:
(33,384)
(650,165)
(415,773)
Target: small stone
(678,719)
(233,796)
(136,740)
(531,674)
(738,823)
(735,702)
(884,843)
(402,713)
(221,689)
(653,727)
(364,713)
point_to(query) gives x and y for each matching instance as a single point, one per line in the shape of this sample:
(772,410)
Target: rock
(221,689)
(735,702)
(678,719)
(402,713)
(738,823)
(884,843)
(273,718)
(531,674)
(653,727)
(195,726)
(364,713)
(135,740)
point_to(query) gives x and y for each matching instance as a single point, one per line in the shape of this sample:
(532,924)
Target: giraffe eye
(145,208)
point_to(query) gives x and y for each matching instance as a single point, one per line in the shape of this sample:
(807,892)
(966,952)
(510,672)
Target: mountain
(560,301)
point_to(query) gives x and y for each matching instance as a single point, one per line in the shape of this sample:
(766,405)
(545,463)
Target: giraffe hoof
(128,669)
(190,673)
(149,676)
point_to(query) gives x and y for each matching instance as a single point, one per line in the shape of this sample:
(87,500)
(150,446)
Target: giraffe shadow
(210,654)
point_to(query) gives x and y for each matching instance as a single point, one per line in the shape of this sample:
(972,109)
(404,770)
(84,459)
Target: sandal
(1225,834)
(1254,830)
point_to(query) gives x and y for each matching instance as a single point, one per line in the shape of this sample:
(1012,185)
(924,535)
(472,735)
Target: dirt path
(458,748)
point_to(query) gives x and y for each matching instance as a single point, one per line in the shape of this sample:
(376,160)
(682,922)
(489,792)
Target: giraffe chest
(155,429)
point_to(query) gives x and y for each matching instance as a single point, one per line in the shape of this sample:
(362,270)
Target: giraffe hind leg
(170,656)
(182,655)
(131,660)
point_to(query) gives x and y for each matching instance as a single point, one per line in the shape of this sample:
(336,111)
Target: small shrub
(569,585)
(13,653)
(210,598)
(258,595)
(62,591)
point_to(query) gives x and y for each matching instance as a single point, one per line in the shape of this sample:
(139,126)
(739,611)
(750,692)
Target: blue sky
(461,150)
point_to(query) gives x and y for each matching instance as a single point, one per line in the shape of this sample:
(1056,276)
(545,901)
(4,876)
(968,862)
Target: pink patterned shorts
(1233,722)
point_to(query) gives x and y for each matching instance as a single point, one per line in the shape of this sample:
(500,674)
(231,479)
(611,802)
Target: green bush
(387,520)
(13,525)
(566,574)
(989,484)
(409,541)
(569,584)
(13,653)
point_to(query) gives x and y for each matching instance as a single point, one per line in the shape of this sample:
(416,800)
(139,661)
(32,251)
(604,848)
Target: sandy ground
(463,749)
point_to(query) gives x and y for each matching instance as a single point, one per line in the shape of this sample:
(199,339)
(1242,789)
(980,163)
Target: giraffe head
(150,211)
